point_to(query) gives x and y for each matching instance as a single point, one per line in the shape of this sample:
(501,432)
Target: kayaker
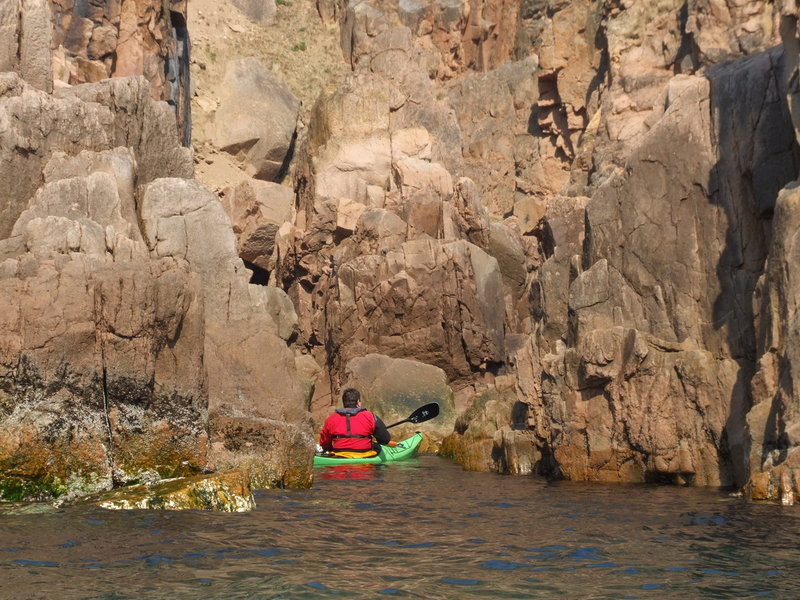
(348,432)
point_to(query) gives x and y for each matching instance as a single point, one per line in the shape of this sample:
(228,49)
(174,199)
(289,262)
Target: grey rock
(256,119)
(393,388)
(243,324)
(9,35)
(258,11)
(36,29)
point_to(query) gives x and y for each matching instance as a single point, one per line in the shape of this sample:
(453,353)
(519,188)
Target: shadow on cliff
(757,156)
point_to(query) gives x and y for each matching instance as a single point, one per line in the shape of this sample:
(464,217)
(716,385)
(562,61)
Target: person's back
(351,428)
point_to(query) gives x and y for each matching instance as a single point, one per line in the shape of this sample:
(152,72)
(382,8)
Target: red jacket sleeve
(325,437)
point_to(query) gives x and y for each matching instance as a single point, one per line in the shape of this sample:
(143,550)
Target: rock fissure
(109,432)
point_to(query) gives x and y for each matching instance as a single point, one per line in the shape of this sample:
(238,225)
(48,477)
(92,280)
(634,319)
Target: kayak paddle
(422,414)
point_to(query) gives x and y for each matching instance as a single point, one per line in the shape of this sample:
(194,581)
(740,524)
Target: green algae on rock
(227,491)
(488,435)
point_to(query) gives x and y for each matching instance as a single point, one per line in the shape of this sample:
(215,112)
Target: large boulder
(257,210)
(393,388)
(258,11)
(256,119)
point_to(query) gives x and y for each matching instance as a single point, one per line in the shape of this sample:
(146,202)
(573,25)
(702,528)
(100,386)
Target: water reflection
(427,530)
(347,472)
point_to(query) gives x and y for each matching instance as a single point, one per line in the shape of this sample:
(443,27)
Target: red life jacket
(351,429)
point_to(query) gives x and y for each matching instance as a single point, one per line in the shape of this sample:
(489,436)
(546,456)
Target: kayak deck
(388,454)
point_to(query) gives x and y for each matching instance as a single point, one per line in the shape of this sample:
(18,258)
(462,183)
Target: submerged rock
(26,508)
(227,491)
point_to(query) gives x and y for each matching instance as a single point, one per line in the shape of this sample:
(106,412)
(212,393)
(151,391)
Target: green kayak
(405,449)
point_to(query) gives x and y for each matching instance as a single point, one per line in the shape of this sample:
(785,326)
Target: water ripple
(434,531)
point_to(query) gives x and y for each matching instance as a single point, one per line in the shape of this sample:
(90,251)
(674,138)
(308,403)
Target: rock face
(100,363)
(116,38)
(89,117)
(493,111)
(773,420)
(260,11)
(25,41)
(456,323)
(121,38)
(569,209)
(637,313)
(491,435)
(133,342)
(571,223)
(389,253)
(252,416)
(642,370)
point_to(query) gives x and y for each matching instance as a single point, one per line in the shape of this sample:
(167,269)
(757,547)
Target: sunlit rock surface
(773,423)
(101,375)
(227,491)
(647,144)
(577,217)
(256,119)
(131,330)
(485,435)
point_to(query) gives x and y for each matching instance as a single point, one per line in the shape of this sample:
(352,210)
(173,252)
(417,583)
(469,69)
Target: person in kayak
(348,432)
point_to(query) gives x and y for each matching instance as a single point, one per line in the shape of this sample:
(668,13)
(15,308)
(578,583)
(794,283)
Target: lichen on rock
(226,491)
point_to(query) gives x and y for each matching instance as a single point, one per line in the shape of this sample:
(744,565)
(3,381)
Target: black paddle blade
(425,413)
(422,414)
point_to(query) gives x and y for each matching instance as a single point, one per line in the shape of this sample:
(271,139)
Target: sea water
(425,529)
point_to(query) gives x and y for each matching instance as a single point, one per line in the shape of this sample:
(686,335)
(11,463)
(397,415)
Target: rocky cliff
(133,342)
(570,223)
(568,208)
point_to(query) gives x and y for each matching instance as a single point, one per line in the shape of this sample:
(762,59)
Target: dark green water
(424,530)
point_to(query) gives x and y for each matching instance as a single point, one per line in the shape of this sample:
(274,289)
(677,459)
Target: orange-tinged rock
(226,491)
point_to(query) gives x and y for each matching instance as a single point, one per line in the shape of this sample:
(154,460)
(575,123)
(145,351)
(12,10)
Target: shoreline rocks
(227,491)
(571,222)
